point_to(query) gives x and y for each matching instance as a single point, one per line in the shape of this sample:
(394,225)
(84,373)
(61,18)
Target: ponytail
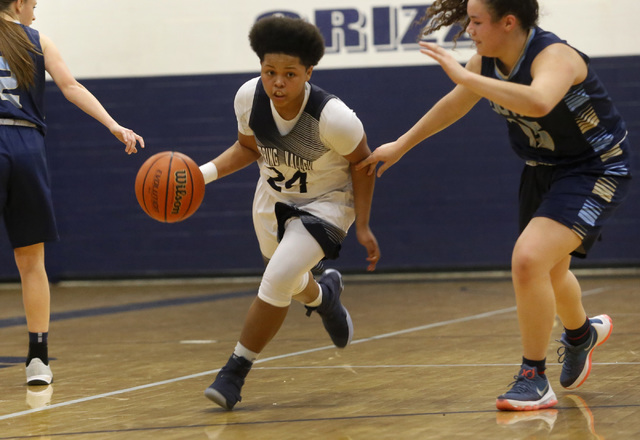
(16,49)
(444,13)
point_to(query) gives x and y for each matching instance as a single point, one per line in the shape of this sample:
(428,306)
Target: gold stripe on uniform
(605,188)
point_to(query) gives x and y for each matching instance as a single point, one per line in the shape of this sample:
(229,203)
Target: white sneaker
(38,373)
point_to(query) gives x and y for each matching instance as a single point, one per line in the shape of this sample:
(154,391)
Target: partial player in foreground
(306,143)
(25,194)
(562,123)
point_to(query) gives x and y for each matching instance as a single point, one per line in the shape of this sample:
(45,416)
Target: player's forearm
(363,186)
(85,101)
(234,159)
(445,112)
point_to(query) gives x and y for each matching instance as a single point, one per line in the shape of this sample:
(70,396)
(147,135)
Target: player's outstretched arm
(453,106)
(554,71)
(82,98)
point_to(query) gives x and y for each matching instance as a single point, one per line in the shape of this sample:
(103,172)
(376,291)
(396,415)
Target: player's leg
(540,248)
(287,274)
(36,298)
(589,199)
(568,295)
(581,334)
(30,222)
(543,244)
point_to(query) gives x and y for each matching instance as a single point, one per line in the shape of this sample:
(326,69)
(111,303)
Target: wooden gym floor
(429,356)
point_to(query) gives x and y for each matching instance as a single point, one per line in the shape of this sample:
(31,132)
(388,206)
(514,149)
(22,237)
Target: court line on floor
(130,307)
(225,425)
(273,358)
(355,367)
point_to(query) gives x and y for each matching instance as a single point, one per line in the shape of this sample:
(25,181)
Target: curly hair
(289,36)
(443,13)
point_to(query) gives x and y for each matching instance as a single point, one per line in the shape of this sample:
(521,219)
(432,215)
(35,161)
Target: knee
(277,289)
(526,264)
(29,258)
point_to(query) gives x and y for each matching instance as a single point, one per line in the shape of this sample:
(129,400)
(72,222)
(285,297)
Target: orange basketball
(169,187)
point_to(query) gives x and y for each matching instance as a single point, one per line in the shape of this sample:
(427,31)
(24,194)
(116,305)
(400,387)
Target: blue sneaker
(576,359)
(529,392)
(335,317)
(225,389)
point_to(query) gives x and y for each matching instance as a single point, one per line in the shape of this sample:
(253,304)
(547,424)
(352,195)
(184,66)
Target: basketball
(169,187)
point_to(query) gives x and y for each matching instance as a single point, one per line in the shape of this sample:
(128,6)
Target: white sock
(316,302)
(243,351)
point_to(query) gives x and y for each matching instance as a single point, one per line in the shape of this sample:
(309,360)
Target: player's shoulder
(336,108)
(245,94)
(340,127)
(248,88)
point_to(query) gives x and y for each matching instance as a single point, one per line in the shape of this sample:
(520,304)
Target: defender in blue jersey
(25,194)
(305,142)
(562,123)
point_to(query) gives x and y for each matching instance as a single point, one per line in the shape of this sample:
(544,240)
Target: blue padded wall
(450,204)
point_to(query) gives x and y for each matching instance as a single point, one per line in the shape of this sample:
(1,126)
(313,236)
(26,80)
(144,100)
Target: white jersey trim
(339,127)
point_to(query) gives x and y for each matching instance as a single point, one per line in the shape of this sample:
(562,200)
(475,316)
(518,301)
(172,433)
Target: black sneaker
(335,317)
(225,389)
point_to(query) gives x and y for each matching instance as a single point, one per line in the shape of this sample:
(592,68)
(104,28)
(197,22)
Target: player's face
(485,33)
(26,14)
(284,79)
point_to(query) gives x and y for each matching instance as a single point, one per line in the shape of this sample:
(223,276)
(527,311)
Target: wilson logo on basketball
(180,179)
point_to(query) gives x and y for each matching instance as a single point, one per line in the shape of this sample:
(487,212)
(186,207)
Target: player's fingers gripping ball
(169,187)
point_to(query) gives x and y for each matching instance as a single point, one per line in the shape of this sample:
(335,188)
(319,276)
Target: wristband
(209,171)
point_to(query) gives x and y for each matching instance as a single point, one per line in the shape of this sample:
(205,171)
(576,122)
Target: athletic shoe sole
(216,397)
(547,401)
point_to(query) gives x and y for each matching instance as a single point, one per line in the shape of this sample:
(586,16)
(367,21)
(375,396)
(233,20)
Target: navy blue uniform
(577,156)
(23,104)
(25,194)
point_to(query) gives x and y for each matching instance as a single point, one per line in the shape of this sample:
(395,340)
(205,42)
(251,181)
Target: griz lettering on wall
(385,28)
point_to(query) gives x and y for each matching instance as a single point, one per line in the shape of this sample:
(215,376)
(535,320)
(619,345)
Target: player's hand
(368,240)
(388,154)
(128,137)
(456,72)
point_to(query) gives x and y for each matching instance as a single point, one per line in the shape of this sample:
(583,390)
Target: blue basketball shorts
(582,197)
(25,189)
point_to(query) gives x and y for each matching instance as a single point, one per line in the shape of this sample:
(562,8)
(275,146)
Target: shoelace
(561,351)
(518,384)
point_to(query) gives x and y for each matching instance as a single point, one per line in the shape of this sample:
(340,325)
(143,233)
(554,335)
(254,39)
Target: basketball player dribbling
(306,142)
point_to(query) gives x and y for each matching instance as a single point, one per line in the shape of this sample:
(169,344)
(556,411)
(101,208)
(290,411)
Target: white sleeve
(340,128)
(243,104)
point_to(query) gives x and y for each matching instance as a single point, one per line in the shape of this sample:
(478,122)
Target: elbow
(540,108)
(541,112)
(71,91)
